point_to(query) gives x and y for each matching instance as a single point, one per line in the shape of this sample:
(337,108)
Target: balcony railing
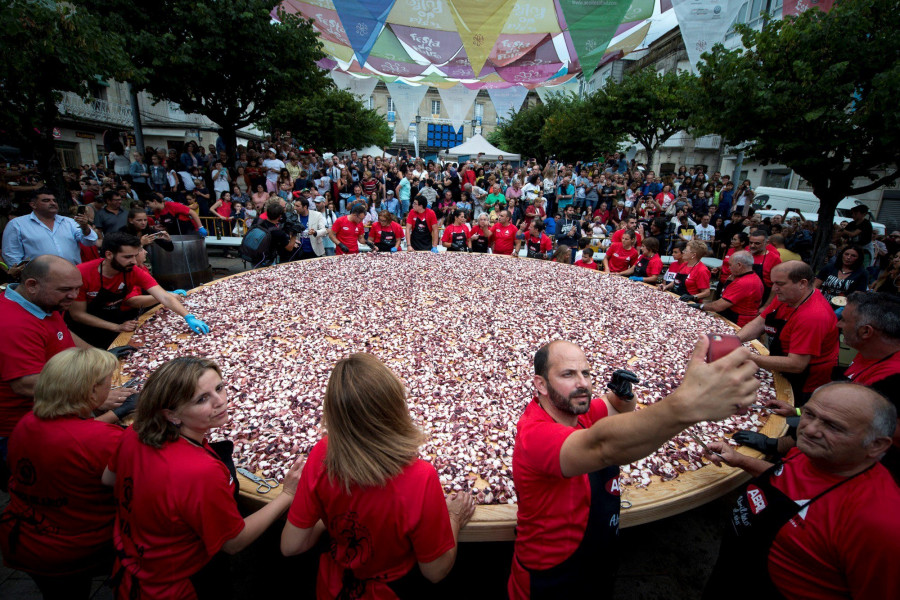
(95,109)
(708,142)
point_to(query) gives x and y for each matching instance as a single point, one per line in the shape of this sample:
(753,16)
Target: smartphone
(721,345)
(80,210)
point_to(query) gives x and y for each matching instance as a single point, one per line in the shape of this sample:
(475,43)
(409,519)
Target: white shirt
(273,163)
(706,234)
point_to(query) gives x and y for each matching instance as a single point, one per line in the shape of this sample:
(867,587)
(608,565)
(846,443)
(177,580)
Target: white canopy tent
(371,151)
(478,145)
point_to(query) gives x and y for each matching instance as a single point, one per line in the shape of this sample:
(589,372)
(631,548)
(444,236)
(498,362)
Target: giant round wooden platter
(661,499)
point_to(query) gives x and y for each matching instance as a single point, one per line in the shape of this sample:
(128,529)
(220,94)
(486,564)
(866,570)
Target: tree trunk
(828,201)
(651,154)
(229,136)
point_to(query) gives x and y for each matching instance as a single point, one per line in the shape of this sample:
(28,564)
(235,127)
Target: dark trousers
(67,587)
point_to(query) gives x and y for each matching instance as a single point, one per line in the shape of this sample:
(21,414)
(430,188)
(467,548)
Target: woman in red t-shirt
(58,526)
(692,281)
(649,266)
(739,241)
(176,508)
(457,235)
(386,234)
(364,483)
(674,267)
(620,256)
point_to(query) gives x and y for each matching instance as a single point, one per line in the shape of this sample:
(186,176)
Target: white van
(770,201)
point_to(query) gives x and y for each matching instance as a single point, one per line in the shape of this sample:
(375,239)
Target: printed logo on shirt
(25,473)
(757,499)
(779,470)
(612,487)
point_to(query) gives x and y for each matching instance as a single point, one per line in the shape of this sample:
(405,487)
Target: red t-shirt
(587,264)
(376,229)
(768,259)
(461,232)
(28,343)
(66,514)
(504,238)
(697,279)
(468,177)
(846,543)
(543,243)
(654,264)
(868,370)
(745,293)
(553,509)
(428,216)
(603,214)
(139,277)
(617,238)
(379,532)
(812,330)
(620,259)
(175,511)
(348,233)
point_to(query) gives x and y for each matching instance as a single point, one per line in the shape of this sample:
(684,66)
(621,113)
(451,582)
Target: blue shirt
(26,238)
(403,189)
(550,226)
(305,243)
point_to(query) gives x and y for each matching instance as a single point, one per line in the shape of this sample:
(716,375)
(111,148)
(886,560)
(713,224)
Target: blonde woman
(58,526)
(383,507)
(176,509)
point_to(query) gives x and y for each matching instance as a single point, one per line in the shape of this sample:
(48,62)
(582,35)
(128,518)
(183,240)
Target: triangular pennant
(360,87)
(437,47)
(639,10)
(388,46)
(407,99)
(591,25)
(535,16)
(507,100)
(478,23)
(512,47)
(704,23)
(363,21)
(338,51)
(570,86)
(395,67)
(430,14)
(795,7)
(457,102)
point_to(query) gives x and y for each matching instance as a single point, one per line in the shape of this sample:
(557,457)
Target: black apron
(420,238)
(213,580)
(386,240)
(106,305)
(680,288)
(534,247)
(595,561)
(773,327)
(412,585)
(640,269)
(758,515)
(481,243)
(758,269)
(457,242)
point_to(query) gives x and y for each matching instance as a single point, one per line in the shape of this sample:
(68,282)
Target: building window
(436,107)
(390,104)
(371,104)
(479,110)
(393,131)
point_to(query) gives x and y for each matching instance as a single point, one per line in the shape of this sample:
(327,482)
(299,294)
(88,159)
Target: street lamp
(416,139)
(474,125)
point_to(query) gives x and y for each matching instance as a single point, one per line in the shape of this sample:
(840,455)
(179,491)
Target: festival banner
(795,7)
(388,46)
(541,64)
(704,23)
(533,16)
(488,83)
(338,51)
(591,25)
(429,14)
(544,92)
(461,68)
(457,102)
(478,23)
(437,47)
(395,67)
(509,99)
(639,10)
(407,99)
(363,20)
(361,87)
(509,48)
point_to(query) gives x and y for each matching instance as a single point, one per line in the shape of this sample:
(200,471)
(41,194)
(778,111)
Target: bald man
(568,448)
(824,522)
(32,323)
(802,329)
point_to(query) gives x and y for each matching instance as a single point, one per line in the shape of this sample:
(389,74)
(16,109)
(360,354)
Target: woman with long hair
(176,493)
(692,281)
(364,483)
(58,526)
(847,275)
(889,280)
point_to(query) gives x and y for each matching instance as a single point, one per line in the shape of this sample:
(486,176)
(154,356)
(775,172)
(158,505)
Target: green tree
(521,132)
(573,130)
(649,107)
(228,61)
(331,120)
(49,48)
(817,93)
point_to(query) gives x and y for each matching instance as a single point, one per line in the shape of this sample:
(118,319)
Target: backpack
(256,244)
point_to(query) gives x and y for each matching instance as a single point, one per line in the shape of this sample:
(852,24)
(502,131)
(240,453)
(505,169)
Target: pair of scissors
(265,484)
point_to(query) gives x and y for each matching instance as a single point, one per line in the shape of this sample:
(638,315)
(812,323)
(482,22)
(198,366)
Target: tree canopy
(331,120)
(228,61)
(817,93)
(649,107)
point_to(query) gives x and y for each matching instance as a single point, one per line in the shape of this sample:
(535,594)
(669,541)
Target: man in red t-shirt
(503,234)
(175,218)
(740,300)
(587,260)
(101,311)
(348,232)
(566,452)
(765,258)
(421,226)
(539,245)
(823,523)
(631,224)
(802,330)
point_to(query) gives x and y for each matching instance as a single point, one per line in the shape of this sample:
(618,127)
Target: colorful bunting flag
(457,102)
(509,99)
(795,7)
(407,99)
(704,23)
(362,21)
(478,23)
(591,25)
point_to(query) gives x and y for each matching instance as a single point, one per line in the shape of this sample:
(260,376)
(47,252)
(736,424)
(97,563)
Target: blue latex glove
(838,311)
(394,249)
(434,249)
(181,293)
(636,278)
(196,325)
(203,232)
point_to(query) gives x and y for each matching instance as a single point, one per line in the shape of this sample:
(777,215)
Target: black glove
(127,407)
(696,305)
(757,441)
(122,352)
(687,298)
(620,383)
(344,248)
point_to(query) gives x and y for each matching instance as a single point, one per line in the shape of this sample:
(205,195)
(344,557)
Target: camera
(290,223)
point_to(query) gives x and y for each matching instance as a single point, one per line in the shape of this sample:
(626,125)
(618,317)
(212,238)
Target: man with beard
(100,313)
(567,452)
